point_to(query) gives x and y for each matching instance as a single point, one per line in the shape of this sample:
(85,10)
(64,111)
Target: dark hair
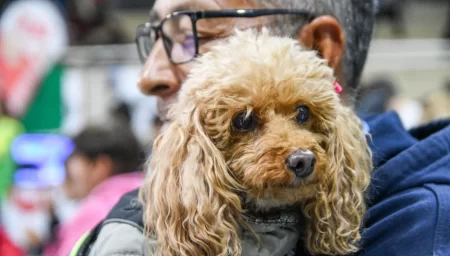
(114,140)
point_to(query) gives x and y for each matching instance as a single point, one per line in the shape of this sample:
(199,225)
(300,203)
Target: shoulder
(412,222)
(119,239)
(409,206)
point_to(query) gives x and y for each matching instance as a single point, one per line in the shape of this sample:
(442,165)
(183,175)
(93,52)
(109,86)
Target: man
(409,209)
(104,165)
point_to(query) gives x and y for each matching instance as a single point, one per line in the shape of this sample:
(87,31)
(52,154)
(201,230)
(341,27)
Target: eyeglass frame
(143,30)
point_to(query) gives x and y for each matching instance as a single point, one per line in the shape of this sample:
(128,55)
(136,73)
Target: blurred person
(122,111)
(140,109)
(437,104)
(104,165)
(380,95)
(91,22)
(408,209)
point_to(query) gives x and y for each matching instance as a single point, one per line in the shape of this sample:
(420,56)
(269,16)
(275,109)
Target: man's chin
(163,105)
(165,126)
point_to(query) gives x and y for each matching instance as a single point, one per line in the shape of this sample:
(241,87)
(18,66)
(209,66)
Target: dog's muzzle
(301,163)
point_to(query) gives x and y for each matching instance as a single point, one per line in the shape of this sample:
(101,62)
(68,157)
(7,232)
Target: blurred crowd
(103,160)
(43,215)
(89,21)
(381,95)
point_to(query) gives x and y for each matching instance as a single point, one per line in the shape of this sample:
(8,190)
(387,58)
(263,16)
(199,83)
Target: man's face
(159,77)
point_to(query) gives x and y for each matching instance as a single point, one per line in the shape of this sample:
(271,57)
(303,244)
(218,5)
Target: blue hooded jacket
(409,197)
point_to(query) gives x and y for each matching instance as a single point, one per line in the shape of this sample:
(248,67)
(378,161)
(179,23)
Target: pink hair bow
(337,87)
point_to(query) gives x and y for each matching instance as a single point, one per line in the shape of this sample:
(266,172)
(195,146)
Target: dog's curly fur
(201,166)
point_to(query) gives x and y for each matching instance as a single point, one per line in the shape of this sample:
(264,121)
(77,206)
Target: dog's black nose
(301,163)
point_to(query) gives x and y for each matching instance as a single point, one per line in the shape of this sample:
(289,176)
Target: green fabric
(9,129)
(45,112)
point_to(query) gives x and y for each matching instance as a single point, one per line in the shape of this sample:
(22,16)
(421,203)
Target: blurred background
(66,65)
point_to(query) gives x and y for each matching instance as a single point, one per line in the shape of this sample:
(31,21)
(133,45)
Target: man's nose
(301,163)
(158,76)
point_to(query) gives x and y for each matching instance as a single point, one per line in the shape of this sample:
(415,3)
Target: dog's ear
(338,211)
(191,207)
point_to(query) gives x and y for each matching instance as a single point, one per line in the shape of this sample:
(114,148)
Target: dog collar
(337,87)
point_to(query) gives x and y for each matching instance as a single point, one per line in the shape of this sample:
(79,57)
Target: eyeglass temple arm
(249,13)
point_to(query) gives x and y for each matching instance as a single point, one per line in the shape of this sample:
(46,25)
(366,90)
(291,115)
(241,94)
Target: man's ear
(326,35)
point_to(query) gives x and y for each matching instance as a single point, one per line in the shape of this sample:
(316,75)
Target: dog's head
(258,116)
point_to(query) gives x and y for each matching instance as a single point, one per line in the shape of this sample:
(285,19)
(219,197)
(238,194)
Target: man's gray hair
(357,18)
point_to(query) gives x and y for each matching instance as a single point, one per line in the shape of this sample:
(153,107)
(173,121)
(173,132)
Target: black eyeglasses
(178,31)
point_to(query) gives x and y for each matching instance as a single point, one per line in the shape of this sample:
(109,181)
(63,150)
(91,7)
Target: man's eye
(302,114)
(245,122)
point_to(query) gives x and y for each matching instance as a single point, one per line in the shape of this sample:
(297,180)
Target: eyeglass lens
(179,38)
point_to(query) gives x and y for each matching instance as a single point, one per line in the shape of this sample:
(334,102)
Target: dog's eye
(302,114)
(244,122)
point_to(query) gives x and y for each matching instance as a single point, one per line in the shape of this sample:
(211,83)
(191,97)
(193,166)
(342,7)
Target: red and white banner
(33,36)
